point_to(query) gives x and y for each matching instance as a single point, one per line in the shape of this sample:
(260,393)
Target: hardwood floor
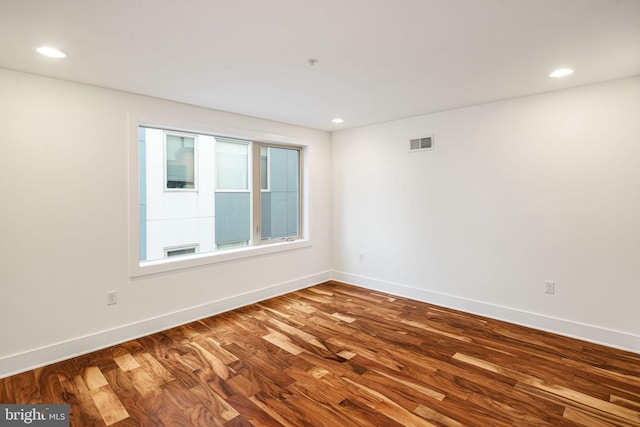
(338,355)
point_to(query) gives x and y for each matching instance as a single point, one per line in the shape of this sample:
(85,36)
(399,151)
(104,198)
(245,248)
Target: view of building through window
(180,171)
(198,193)
(280,189)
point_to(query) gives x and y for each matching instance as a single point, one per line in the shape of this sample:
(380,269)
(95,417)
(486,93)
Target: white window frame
(268,189)
(257,232)
(256,248)
(166,133)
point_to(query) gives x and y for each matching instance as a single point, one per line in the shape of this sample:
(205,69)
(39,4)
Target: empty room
(328,213)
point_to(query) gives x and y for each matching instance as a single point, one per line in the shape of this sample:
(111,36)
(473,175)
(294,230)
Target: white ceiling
(379,60)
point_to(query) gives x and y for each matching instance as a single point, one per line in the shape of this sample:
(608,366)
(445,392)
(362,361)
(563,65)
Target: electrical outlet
(112,297)
(549,287)
(360,257)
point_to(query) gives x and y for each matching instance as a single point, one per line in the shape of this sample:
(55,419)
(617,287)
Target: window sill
(165,265)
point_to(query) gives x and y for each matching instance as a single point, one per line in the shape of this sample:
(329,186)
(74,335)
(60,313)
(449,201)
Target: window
(232,164)
(181,250)
(180,164)
(233,195)
(243,194)
(280,200)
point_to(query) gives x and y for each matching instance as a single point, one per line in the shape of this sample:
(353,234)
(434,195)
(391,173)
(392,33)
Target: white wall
(517,192)
(64,225)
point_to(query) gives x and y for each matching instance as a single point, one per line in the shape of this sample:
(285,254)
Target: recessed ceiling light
(337,120)
(51,52)
(562,72)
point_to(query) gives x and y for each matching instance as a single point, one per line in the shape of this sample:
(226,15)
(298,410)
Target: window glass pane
(232,216)
(232,171)
(220,214)
(180,162)
(264,168)
(280,206)
(232,198)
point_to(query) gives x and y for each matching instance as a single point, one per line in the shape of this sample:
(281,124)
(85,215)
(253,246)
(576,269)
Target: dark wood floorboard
(339,355)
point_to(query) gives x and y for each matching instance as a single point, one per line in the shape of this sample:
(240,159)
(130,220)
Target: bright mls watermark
(34,415)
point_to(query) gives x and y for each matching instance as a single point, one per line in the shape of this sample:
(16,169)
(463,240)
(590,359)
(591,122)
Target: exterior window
(232,164)
(180,251)
(180,166)
(248,193)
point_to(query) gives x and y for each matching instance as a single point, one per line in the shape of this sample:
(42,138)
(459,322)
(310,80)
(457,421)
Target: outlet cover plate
(112,297)
(549,287)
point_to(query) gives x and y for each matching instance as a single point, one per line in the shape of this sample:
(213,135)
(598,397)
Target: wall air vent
(421,144)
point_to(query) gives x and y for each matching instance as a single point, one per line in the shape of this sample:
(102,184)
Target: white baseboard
(34,358)
(591,333)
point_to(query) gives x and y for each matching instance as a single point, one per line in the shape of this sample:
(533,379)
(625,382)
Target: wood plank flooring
(338,355)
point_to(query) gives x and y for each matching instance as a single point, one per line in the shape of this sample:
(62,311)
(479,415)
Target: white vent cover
(421,144)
